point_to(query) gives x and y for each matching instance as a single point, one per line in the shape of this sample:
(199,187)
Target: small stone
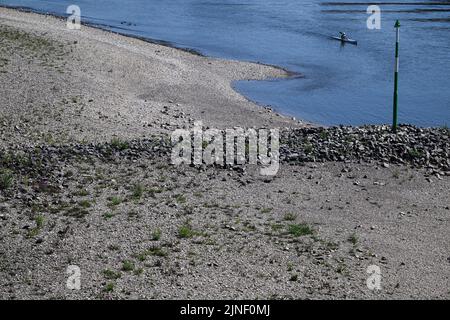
(230,227)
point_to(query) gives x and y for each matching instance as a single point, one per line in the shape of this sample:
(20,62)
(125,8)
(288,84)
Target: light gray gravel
(140,228)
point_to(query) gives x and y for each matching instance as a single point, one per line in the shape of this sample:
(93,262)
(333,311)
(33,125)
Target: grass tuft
(6,179)
(156,235)
(111,275)
(127,266)
(109,287)
(186,231)
(119,144)
(39,220)
(114,201)
(290,217)
(298,230)
(137,192)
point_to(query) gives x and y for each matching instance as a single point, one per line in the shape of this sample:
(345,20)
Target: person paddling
(343,36)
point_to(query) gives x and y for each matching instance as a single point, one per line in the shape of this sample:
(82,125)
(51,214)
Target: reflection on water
(432,19)
(381,3)
(387,11)
(340,84)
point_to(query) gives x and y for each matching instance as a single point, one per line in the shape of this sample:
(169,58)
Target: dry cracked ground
(141,228)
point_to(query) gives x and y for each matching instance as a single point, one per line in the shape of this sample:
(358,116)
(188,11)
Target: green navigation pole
(394,122)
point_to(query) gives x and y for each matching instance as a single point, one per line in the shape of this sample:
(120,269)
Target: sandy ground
(140,228)
(98,84)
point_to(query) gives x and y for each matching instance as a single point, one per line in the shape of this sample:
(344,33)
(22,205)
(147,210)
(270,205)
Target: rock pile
(419,147)
(40,159)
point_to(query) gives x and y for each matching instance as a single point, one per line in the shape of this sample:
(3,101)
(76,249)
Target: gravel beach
(86,180)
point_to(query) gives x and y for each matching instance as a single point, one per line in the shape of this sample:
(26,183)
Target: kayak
(346,40)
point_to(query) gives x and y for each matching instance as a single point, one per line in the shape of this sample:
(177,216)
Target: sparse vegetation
(277,226)
(141,256)
(157,251)
(81,193)
(46,52)
(341,269)
(154,251)
(353,239)
(186,231)
(119,144)
(108,215)
(138,191)
(139,271)
(298,230)
(308,148)
(179,198)
(85,204)
(215,219)
(290,217)
(6,179)
(111,275)
(114,201)
(156,235)
(109,287)
(323,134)
(127,266)
(39,220)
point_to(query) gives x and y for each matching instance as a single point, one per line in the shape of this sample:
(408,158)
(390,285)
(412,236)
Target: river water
(340,84)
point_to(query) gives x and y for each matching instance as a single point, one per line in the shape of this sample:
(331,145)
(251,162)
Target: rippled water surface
(341,84)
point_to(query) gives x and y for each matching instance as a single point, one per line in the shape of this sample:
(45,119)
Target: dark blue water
(341,85)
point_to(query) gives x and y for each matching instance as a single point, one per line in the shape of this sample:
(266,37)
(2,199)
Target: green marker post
(395,117)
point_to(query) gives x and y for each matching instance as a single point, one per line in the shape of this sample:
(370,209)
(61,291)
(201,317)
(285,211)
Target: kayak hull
(351,41)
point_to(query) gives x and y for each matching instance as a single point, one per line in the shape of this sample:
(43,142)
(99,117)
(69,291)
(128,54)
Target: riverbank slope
(86,180)
(91,84)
